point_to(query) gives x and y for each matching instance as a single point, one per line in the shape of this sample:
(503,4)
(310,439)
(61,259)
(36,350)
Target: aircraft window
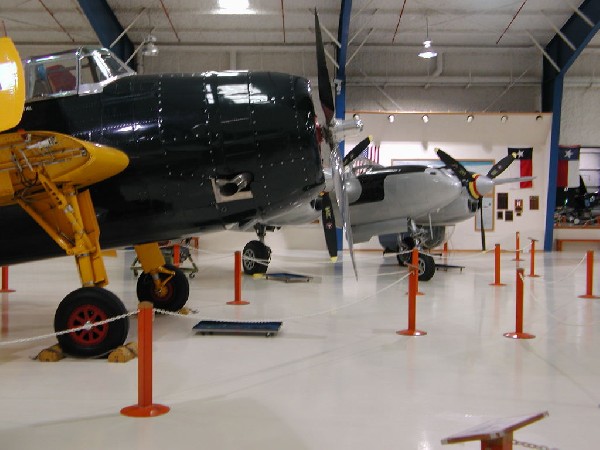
(78,71)
(51,77)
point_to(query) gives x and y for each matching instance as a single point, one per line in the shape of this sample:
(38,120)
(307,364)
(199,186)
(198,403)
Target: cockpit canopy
(80,71)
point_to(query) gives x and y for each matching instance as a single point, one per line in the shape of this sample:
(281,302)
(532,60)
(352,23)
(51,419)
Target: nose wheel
(255,258)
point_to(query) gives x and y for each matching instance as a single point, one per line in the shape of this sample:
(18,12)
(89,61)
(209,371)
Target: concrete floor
(337,376)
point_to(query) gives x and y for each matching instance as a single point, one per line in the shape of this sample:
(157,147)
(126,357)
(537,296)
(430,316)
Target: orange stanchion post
(497,267)
(4,315)
(413,281)
(414,260)
(518,247)
(532,263)
(176,255)
(237,280)
(5,287)
(144,406)
(590,277)
(518,333)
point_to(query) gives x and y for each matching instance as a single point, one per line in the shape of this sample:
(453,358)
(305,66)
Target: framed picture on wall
(508,216)
(502,200)
(500,215)
(534,202)
(487,207)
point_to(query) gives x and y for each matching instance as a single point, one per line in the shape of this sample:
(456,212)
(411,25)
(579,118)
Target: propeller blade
(499,181)
(456,167)
(582,187)
(328,221)
(337,173)
(331,130)
(501,165)
(325,93)
(480,206)
(357,150)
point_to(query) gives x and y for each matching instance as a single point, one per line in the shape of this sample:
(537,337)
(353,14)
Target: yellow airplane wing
(12,85)
(28,158)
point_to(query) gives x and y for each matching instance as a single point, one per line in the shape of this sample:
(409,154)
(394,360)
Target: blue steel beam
(580,33)
(340,77)
(107,28)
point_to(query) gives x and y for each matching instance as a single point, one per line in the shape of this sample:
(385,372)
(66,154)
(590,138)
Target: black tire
(90,304)
(426,267)
(403,258)
(255,250)
(178,290)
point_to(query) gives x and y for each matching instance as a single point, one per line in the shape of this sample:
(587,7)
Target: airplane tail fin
(12,85)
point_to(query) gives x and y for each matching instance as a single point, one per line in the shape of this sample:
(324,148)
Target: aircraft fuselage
(186,136)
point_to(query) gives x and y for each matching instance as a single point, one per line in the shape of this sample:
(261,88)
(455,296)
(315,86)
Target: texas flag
(524,162)
(568,166)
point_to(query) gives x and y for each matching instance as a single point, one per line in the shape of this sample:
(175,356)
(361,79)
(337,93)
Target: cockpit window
(80,71)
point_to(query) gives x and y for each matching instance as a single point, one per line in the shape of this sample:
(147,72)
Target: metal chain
(530,445)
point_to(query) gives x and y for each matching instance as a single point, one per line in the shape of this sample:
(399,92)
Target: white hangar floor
(337,376)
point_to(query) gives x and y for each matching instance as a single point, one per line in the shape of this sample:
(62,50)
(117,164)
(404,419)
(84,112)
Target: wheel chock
(184,311)
(51,354)
(124,353)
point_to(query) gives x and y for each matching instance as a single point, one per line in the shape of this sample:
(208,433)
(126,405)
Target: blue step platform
(288,277)
(212,326)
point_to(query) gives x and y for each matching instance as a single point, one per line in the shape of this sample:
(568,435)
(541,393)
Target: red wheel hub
(88,314)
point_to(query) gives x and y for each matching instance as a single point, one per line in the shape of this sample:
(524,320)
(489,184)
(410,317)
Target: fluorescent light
(234,7)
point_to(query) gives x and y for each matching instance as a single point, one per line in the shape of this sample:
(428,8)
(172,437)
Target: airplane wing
(31,162)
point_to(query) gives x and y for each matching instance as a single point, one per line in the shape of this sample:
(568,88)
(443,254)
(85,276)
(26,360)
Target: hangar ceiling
(492,42)
(452,23)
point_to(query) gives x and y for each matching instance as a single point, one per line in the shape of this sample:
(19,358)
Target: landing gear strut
(256,255)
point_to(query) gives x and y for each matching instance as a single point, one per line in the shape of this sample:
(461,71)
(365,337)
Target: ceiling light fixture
(503,119)
(234,7)
(428,51)
(391,118)
(149,47)
(470,118)
(425,118)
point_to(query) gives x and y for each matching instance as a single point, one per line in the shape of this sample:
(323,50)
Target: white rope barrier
(88,326)
(196,315)
(541,304)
